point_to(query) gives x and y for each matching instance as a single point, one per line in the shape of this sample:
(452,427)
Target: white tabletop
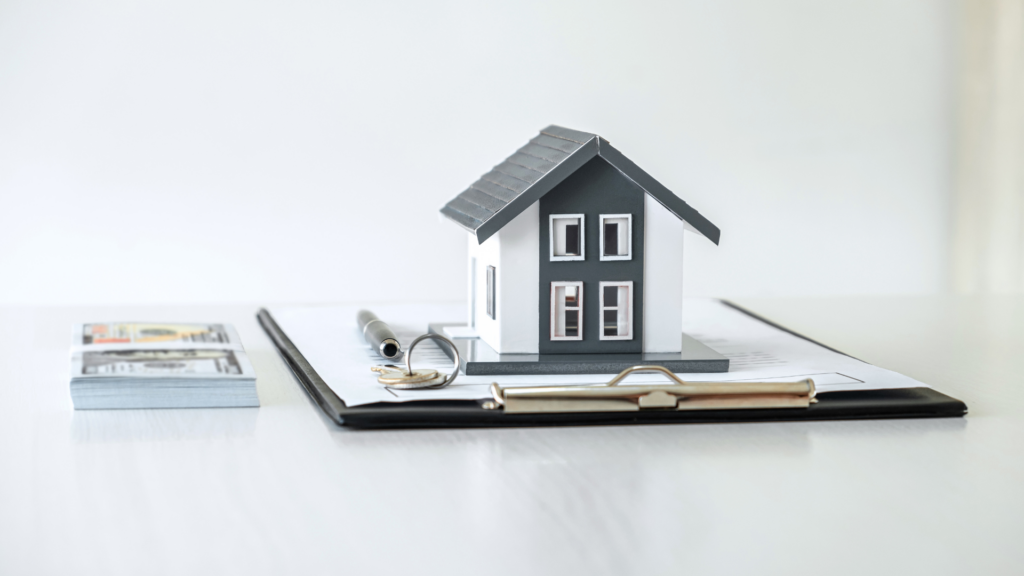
(281,490)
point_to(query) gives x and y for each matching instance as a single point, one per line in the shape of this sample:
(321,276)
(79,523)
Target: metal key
(408,379)
(393,375)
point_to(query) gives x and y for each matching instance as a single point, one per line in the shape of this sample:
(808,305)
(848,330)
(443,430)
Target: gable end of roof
(658,191)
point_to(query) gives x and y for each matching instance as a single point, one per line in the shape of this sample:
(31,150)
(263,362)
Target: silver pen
(378,335)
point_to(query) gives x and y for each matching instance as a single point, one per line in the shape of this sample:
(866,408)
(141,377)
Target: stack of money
(157,365)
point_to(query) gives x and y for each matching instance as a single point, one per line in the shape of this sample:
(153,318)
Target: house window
(616,310)
(491,293)
(567,237)
(616,236)
(472,292)
(566,311)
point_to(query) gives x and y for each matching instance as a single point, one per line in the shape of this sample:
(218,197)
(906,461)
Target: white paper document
(331,342)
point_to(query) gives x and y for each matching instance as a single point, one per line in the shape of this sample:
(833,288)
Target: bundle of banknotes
(159,365)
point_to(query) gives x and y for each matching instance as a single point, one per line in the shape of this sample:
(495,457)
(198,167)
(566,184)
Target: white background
(298,151)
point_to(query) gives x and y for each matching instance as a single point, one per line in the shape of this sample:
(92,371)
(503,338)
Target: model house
(573,249)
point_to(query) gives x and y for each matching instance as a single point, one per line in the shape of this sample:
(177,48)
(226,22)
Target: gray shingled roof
(535,169)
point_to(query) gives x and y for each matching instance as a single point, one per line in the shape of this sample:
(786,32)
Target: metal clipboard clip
(678,395)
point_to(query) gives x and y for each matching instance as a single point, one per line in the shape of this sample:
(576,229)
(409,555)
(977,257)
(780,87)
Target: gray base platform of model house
(479,359)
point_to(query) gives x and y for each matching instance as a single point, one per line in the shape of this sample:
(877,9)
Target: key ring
(428,384)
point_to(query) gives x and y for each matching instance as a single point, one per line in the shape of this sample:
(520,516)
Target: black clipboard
(856,405)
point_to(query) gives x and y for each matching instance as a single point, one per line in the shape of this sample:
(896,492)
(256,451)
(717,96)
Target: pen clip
(677,395)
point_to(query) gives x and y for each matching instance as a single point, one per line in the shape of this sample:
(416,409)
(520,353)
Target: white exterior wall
(518,283)
(486,254)
(663,278)
(514,253)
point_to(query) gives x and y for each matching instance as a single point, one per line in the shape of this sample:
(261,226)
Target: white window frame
(491,288)
(554,311)
(628,305)
(629,236)
(551,238)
